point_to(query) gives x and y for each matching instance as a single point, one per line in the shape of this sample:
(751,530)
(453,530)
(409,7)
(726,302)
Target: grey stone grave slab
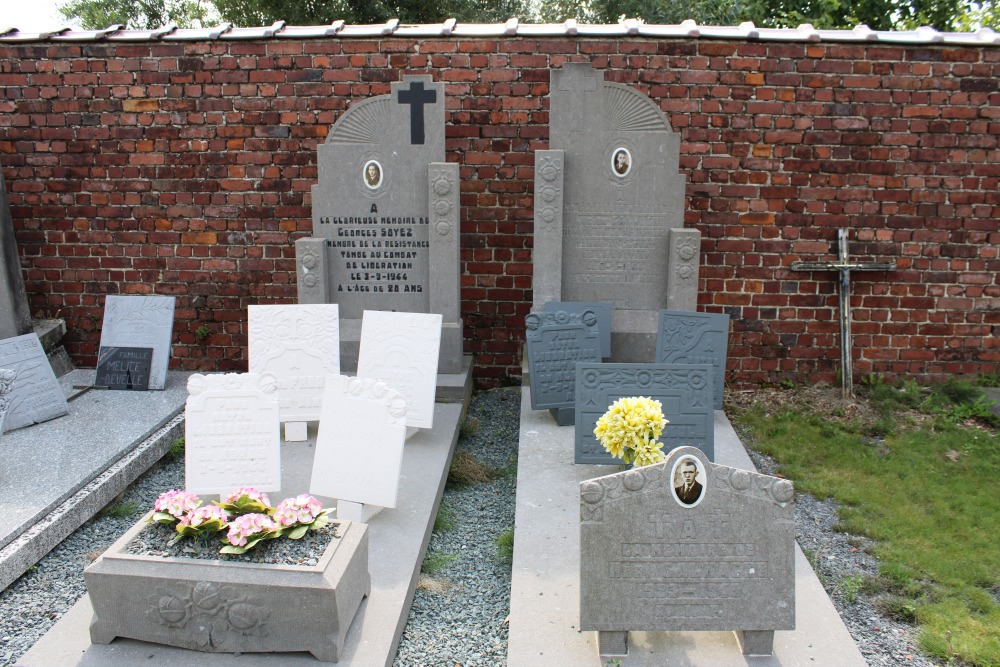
(653,558)
(35,395)
(7,377)
(232,433)
(603,312)
(141,321)
(610,209)
(684,391)
(124,368)
(385,217)
(15,318)
(695,338)
(556,343)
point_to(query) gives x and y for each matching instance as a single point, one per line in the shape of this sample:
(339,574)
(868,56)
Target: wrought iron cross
(844,266)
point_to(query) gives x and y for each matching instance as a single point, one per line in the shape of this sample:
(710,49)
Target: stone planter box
(226,606)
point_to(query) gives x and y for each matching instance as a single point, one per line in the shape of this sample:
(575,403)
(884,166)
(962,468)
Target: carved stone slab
(232,433)
(300,346)
(35,395)
(622,195)
(685,392)
(15,317)
(695,338)
(657,557)
(230,606)
(557,342)
(359,448)
(603,312)
(141,321)
(401,349)
(7,377)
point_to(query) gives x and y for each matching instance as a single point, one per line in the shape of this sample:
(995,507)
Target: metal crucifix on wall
(844,266)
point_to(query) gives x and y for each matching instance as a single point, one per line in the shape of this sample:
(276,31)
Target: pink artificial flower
(250,493)
(204,515)
(176,503)
(248,525)
(302,509)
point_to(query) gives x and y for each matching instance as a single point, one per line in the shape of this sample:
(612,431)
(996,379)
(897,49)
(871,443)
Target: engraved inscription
(377,254)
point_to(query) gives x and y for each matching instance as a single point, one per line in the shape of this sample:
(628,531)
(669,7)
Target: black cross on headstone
(417,97)
(844,267)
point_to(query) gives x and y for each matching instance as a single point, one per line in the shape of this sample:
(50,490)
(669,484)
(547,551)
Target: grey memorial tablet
(603,312)
(609,209)
(15,318)
(124,368)
(141,321)
(685,392)
(386,217)
(556,342)
(35,395)
(653,559)
(695,338)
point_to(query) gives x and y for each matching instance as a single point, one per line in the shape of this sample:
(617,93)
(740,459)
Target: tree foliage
(823,14)
(134,14)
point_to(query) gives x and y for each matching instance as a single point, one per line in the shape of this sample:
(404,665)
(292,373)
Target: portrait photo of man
(621,161)
(373,174)
(687,488)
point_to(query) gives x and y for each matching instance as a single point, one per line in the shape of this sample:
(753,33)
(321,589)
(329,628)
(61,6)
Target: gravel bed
(459,613)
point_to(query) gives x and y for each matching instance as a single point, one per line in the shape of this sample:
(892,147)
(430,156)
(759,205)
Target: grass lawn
(917,470)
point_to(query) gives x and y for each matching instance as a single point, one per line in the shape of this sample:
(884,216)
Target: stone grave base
(545,587)
(222,606)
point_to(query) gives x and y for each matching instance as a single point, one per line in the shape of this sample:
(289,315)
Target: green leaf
(297,532)
(230,549)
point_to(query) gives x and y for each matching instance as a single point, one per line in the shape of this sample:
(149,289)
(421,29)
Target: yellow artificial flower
(629,429)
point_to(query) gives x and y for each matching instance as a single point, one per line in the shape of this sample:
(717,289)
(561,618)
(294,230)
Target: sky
(31,15)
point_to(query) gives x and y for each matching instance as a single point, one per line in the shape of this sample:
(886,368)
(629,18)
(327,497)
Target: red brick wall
(185,169)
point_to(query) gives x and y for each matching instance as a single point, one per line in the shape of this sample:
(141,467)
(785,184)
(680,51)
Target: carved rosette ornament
(687,259)
(380,391)
(7,377)
(212,614)
(442,187)
(265,382)
(547,189)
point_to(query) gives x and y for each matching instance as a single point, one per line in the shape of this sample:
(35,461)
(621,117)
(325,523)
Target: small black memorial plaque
(124,368)
(557,341)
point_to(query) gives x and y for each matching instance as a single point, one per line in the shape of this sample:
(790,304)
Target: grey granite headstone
(603,312)
(35,395)
(655,556)
(141,321)
(608,233)
(557,342)
(386,217)
(684,391)
(15,318)
(695,338)
(7,377)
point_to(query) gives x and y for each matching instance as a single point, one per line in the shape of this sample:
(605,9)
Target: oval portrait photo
(621,161)
(372,174)
(688,480)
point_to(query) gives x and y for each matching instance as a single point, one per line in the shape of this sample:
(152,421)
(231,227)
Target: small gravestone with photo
(124,368)
(609,209)
(687,545)
(34,395)
(232,433)
(386,218)
(141,321)
(556,342)
(7,377)
(300,346)
(603,312)
(684,391)
(15,318)
(359,448)
(401,350)
(685,337)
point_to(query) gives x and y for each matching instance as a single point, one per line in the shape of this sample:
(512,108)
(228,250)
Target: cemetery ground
(914,476)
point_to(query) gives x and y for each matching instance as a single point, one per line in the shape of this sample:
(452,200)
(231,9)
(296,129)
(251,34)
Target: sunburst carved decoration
(365,123)
(629,110)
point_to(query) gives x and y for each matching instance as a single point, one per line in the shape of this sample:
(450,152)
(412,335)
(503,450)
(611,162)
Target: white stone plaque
(34,394)
(359,448)
(299,345)
(232,433)
(141,321)
(401,349)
